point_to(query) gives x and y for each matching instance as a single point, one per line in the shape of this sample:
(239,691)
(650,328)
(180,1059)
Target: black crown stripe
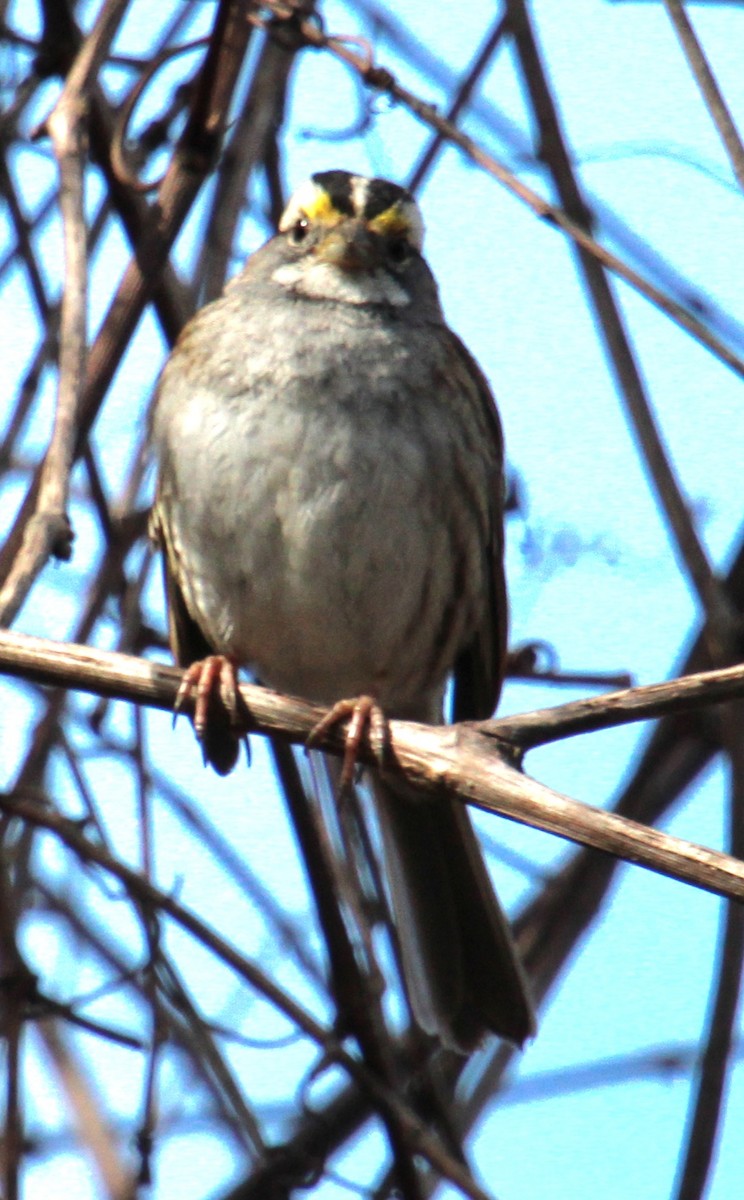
(337,184)
(383,195)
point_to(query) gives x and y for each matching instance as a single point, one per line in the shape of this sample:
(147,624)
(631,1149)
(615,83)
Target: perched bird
(330,507)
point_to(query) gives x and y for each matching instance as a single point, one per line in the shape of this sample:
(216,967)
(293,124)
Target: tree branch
(384,81)
(145,893)
(709,89)
(527,730)
(460,760)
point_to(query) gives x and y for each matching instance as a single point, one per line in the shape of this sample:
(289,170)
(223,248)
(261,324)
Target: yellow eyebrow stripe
(391,222)
(322,209)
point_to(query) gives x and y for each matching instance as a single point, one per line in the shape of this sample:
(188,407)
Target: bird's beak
(350,246)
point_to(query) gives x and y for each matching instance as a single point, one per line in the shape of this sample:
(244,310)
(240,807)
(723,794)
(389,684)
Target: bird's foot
(365,718)
(221,717)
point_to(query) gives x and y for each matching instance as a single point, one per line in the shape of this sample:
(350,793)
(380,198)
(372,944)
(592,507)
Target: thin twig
(708,1098)
(690,549)
(147,894)
(255,128)
(13,1124)
(185,1028)
(48,531)
(88,1111)
(382,80)
(545,725)
(357,1007)
(196,1036)
(479,66)
(151,934)
(23,248)
(287,935)
(706,81)
(192,159)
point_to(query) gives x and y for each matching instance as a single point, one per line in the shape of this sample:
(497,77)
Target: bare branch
(254,131)
(615,336)
(460,760)
(708,1094)
(48,531)
(478,68)
(382,80)
(544,725)
(710,91)
(386,1099)
(192,160)
(86,1108)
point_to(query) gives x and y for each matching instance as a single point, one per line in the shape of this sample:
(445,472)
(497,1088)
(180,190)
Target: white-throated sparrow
(330,506)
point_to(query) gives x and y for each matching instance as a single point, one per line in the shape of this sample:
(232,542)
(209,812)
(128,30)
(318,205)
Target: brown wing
(187,642)
(220,745)
(480,666)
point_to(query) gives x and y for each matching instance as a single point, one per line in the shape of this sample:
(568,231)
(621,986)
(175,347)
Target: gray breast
(313,485)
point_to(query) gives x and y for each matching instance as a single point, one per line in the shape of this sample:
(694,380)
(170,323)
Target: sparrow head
(347,238)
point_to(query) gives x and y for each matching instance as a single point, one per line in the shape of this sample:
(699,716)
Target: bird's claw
(365,717)
(199,680)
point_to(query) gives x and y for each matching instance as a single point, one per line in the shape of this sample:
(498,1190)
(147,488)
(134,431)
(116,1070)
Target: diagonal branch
(350,984)
(254,130)
(94,1129)
(461,760)
(460,103)
(145,893)
(706,81)
(384,81)
(617,343)
(193,158)
(708,1097)
(525,731)
(48,531)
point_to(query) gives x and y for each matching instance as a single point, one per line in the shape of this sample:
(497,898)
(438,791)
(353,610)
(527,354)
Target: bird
(330,508)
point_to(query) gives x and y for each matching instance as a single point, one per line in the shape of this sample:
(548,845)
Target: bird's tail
(459,960)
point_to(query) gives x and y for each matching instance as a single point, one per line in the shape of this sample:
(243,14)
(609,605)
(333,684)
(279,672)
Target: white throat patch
(324,281)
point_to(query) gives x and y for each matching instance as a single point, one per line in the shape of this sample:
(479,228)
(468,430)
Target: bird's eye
(299,230)
(398,250)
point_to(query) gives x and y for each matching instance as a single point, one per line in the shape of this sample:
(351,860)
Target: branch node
(62,535)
